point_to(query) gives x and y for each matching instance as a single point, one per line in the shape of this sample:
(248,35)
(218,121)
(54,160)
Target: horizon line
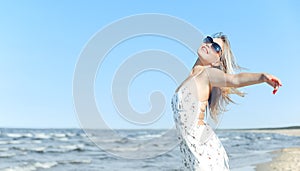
(258,128)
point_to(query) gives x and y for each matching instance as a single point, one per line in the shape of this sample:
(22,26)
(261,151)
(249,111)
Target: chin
(200,56)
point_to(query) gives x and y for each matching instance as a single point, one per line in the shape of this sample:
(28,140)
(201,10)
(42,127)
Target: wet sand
(285,159)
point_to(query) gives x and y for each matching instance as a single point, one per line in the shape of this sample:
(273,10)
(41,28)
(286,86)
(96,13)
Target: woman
(207,89)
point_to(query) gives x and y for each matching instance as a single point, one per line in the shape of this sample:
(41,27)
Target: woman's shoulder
(199,70)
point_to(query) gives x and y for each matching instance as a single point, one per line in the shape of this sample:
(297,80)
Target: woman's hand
(272,81)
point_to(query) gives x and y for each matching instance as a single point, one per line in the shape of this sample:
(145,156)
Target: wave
(53,149)
(4,149)
(20,142)
(38,149)
(267,138)
(125,149)
(15,142)
(104,140)
(7,155)
(224,139)
(18,135)
(71,134)
(122,141)
(42,136)
(10,142)
(32,167)
(72,147)
(59,135)
(87,161)
(32,149)
(36,141)
(45,165)
(4,142)
(148,136)
(237,137)
(63,139)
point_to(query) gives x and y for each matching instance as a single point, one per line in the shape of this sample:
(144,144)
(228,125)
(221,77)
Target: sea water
(73,149)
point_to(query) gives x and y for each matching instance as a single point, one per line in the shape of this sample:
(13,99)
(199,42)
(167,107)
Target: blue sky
(40,43)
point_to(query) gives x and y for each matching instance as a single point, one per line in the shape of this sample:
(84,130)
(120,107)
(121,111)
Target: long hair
(220,97)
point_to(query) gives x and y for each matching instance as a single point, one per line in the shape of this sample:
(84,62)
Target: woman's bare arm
(218,78)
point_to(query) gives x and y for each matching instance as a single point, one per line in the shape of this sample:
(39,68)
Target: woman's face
(207,54)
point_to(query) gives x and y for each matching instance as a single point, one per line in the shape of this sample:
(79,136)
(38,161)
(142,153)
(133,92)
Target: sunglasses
(215,45)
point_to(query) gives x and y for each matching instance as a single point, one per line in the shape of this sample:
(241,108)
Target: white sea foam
(72,147)
(18,135)
(6,155)
(104,140)
(63,139)
(42,136)
(4,149)
(237,137)
(224,139)
(59,135)
(267,138)
(71,134)
(38,149)
(149,136)
(87,161)
(127,149)
(45,165)
(20,168)
(3,142)
(85,135)
(32,167)
(14,142)
(14,135)
(28,135)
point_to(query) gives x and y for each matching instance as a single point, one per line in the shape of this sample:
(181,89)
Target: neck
(199,63)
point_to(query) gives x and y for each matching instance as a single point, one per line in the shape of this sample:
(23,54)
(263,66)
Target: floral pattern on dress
(200,148)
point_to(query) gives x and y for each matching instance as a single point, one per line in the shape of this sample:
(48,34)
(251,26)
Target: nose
(208,46)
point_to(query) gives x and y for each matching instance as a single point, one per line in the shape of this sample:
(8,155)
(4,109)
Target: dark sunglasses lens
(208,40)
(216,47)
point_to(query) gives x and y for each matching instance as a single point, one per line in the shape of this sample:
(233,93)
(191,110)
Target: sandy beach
(287,159)
(289,132)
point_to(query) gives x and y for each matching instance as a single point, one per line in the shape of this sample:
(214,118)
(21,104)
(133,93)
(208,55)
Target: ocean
(74,149)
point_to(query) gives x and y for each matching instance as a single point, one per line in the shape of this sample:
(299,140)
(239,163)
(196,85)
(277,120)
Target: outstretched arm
(218,78)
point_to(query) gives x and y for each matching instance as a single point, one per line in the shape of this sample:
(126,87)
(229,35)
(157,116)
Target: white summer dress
(200,147)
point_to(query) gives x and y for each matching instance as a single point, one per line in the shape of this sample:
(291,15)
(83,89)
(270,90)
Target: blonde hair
(220,97)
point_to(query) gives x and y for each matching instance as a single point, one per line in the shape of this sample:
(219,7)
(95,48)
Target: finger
(273,83)
(275,89)
(276,81)
(276,85)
